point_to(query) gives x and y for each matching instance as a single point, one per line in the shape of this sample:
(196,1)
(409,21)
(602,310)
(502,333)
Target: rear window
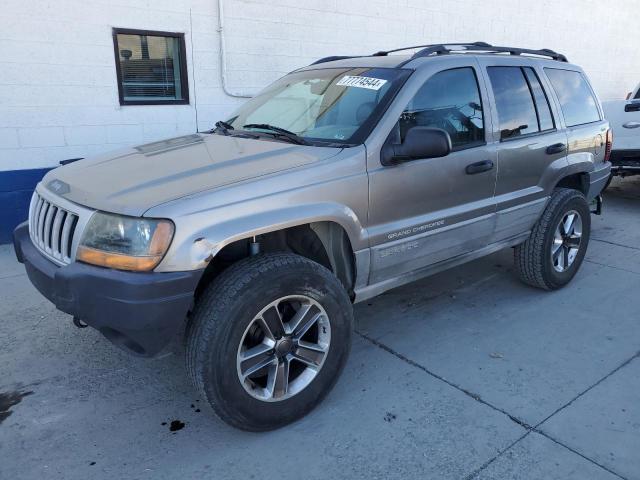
(576,98)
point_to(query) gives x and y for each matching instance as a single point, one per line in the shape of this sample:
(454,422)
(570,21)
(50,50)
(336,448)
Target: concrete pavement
(467,374)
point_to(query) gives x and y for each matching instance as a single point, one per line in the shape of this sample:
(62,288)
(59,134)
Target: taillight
(608,145)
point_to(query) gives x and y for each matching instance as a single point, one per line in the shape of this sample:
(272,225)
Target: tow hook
(596,205)
(79,323)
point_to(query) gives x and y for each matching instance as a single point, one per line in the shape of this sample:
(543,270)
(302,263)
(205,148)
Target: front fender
(195,250)
(334,189)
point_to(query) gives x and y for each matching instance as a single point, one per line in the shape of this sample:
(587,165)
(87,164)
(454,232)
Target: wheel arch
(575,181)
(325,242)
(575,174)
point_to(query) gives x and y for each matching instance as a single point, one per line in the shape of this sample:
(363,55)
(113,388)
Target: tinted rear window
(576,98)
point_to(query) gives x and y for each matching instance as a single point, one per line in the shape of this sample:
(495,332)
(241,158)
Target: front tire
(554,251)
(269,339)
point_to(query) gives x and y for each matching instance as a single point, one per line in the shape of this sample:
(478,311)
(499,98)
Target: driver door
(426,211)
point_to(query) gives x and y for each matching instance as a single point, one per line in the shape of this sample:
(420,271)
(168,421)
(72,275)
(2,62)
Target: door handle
(632,107)
(631,125)
(479,167)
(556,148)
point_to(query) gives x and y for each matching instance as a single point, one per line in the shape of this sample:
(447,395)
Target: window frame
(467,146)
(184,79)
(533,100)
(593,94)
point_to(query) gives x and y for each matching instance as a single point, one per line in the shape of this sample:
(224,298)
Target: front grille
(52,228)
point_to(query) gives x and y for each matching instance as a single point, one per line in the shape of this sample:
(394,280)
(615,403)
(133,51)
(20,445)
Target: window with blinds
(151,67)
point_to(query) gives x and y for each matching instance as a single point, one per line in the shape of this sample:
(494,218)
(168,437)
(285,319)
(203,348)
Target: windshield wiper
(223,126)
(281,132)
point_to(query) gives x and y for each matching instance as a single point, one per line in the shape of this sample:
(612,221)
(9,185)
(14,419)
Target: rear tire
(554,251)
(251,307)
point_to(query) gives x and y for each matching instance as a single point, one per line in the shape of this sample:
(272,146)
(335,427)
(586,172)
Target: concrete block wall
(58,90)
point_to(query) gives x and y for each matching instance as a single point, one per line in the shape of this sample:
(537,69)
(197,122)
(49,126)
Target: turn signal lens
(116,260)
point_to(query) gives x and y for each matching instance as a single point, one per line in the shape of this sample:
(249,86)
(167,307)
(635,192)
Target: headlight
(125,243)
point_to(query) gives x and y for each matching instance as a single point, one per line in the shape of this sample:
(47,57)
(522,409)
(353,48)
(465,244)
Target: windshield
(326,106)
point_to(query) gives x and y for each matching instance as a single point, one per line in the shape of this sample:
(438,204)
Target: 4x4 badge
(58,187)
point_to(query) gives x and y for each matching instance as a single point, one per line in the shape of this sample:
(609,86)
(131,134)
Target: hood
(131,181)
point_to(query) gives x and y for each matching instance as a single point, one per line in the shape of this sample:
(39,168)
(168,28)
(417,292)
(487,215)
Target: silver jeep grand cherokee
(339,181)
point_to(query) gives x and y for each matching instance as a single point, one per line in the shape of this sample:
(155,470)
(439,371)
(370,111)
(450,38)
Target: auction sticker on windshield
(361,82)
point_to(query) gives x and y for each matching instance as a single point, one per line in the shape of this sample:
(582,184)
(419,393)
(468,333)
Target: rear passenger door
(583,119)
(530,142)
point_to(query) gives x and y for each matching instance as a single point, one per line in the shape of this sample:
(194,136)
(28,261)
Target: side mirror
(419,142)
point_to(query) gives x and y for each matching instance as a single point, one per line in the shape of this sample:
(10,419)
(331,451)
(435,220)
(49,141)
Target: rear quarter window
(577,101)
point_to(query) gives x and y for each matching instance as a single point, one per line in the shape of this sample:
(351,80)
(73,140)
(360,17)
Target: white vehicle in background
(624,118)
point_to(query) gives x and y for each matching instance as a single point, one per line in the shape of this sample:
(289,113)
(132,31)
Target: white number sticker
(361,82)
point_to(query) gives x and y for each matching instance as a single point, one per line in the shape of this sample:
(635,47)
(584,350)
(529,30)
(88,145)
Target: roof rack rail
(334,57)
(445,48)
(384,53)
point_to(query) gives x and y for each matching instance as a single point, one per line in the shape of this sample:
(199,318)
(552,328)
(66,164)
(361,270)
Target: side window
(576,98)
(545,119)
(449,100)
(514,101)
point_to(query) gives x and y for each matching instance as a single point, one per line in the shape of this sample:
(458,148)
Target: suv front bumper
(139,312)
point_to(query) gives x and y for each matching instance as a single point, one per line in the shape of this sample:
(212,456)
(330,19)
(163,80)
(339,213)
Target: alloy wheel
(566,241)
(283,348)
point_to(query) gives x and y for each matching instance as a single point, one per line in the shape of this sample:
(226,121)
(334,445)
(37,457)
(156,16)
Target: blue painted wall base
(16,188)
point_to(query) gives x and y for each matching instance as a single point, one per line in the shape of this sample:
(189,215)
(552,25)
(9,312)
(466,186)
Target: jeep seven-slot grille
(52,228)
